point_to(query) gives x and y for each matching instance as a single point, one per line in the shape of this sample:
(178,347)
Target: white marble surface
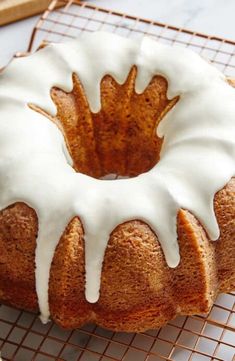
(214,17)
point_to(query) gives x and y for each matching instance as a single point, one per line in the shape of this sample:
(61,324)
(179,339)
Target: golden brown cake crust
(138,289)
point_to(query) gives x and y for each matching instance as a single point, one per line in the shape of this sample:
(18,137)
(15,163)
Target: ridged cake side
(138,290)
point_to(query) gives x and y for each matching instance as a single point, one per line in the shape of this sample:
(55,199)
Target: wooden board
(12,10)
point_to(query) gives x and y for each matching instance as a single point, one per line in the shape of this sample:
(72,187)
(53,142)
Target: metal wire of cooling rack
(194,338)
(76,16)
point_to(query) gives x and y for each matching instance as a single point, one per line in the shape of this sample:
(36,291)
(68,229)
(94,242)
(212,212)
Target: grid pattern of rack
(59,24)
(194,338)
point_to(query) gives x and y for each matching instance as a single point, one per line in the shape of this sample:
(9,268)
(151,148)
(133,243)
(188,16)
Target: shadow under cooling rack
(195,338)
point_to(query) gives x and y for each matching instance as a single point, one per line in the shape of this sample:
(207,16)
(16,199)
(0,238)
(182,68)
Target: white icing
(197,157)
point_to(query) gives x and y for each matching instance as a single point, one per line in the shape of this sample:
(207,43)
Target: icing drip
(197,156)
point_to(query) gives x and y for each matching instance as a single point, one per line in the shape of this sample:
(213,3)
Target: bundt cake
(127,254)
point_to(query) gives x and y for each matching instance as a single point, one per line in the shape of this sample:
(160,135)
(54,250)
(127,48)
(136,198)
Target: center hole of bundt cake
(119,140)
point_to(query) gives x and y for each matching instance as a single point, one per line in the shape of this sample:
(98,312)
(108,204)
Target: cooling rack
(76,16)
(194,338)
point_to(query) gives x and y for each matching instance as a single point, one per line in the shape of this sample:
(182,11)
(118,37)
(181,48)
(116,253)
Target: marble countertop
(214,17)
